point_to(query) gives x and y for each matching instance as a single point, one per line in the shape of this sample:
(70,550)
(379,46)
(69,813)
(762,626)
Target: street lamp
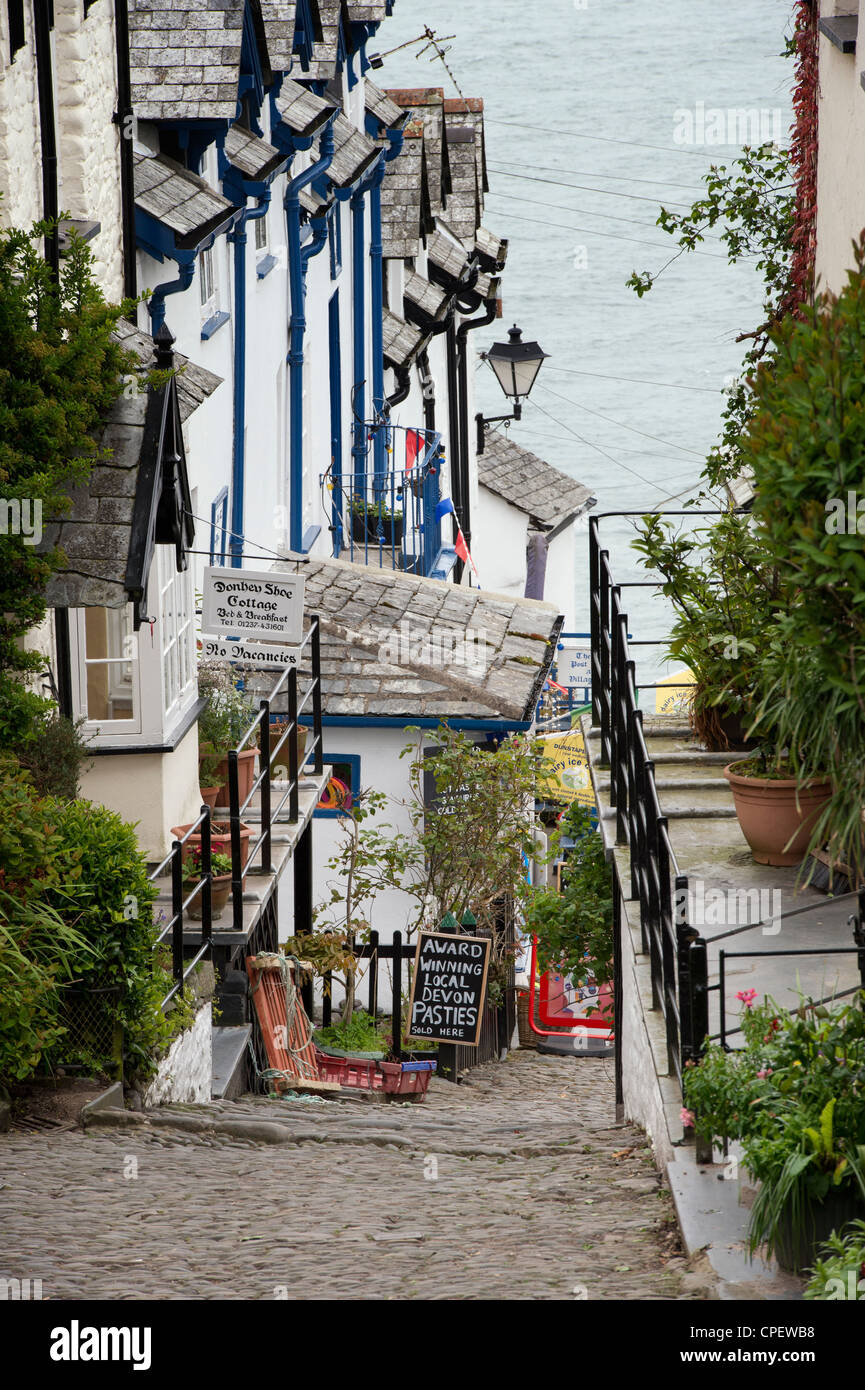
(516,365)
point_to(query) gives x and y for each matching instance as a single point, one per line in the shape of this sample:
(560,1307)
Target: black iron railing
(184,892)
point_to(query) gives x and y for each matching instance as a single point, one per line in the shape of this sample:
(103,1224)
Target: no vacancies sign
(252,604)
(250,653)
(448,987)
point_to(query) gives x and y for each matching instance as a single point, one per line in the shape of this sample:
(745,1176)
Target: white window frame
(208,283)
(160,705)
(261,232)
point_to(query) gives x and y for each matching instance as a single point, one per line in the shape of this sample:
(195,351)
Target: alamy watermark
(699,906)
(21,517)
(732,125)
(445,647)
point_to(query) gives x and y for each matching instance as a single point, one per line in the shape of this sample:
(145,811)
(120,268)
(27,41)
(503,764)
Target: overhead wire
(682,448)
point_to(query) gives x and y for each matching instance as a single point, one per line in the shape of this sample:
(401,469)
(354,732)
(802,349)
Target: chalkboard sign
(448,988)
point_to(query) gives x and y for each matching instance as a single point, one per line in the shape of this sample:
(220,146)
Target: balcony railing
(389,519)
(306,705)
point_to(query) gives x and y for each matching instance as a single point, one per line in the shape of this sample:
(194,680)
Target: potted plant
(220,840)
(220,882)
(792,1098)
(279,762)
(776,809)
(375,522)
(222,723)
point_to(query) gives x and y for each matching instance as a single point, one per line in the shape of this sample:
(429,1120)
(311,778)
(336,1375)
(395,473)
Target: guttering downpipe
(380,402)
(403,379)
(296,272)
(125,120)
(156,302)
(238,461)
(465,328)
(47,132)
(358,450)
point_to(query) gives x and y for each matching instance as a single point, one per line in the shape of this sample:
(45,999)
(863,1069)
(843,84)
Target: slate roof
(366,14)
(548,497)
(300,109)
(323,63)
(254,157)
(493,249)
(446,256)
(406,215)
(471,113)
(361,609)
(427,104)
(402,341)
(424,301)
(278,18)
(385,111)
(184,58)
(178,198)
(464,202)
(353,153)
(95,533)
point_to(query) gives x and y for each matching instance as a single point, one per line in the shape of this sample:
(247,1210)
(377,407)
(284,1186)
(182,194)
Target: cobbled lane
(516,1185)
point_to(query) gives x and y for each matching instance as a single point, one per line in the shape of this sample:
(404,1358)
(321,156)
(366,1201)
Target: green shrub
(839,1271)
(53,755)
(575,927)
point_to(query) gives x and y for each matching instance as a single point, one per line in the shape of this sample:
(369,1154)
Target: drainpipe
(376,273)
(156,302)
(462,461)
(359,316)
(238,462)
(297,264)
(47,131)
(403,379)
(125,120)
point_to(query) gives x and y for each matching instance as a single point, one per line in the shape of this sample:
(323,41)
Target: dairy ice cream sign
(255,605)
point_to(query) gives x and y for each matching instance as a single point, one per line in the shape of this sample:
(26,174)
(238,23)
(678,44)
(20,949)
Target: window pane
(108,649)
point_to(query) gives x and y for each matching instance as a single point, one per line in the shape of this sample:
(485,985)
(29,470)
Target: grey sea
(597,113)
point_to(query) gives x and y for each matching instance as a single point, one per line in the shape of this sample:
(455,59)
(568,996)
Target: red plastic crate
(350,1071)
(410,1079)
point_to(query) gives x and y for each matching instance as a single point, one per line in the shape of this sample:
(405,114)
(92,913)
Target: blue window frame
(219,528)
(343,786)
(334,239)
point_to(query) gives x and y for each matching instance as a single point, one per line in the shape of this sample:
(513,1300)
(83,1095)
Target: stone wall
(185,1073)
(20,145)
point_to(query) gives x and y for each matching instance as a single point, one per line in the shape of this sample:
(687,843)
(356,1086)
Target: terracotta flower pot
(220,839)
(245,776)
(280,760)
(220,892)
(776,815)
(210,796)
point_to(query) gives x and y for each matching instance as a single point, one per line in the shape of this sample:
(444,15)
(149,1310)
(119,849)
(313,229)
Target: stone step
(229,1061)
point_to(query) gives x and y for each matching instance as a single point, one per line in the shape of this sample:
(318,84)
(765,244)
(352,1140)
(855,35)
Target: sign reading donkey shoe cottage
(253,604)
(448,987)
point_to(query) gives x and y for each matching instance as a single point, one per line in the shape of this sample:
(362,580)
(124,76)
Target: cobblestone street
(517,1185)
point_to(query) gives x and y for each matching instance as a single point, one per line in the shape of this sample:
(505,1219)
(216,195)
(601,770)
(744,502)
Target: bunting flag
(412,448)
(446,508)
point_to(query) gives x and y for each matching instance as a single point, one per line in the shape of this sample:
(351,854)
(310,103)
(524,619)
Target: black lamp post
(516,365)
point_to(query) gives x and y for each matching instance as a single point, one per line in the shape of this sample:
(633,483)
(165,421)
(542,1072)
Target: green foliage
(805,446)
(39,951)
(724,593)
(843,1254)
(575,927)
(60,371)
(227,715)
(795,1098)
(219,864)
(359,1033)
(53,754)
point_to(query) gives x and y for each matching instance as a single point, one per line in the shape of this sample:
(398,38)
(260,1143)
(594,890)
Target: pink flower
(747,997)
(688,1118)
(767,1071)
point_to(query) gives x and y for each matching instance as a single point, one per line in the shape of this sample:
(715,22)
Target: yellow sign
(676,700)
(571,781)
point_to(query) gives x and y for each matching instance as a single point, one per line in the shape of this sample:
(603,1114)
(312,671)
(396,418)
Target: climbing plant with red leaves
(803,157)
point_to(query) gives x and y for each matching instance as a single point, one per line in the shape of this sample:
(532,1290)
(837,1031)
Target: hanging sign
(250,653)
(569,779)
(448,987)
(252,604)
(574,667)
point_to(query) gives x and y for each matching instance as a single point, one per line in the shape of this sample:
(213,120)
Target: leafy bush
(54,755)
(575,927)
(356,1034)
(794,1098)
(839,1271)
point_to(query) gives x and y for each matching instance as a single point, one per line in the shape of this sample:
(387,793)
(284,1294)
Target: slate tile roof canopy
(366,14)
(364,611)
(251,155)
(178,198)
(278,18)
(427,104)
(425,302)
(471,112)
(353,153)
(547,496)
(95,534)
(386,112)
(448,258)
(406,213)
(402,341)
(493,249)
(300,109)
(184,58)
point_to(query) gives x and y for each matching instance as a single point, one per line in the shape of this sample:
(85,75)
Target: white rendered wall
(841,158)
